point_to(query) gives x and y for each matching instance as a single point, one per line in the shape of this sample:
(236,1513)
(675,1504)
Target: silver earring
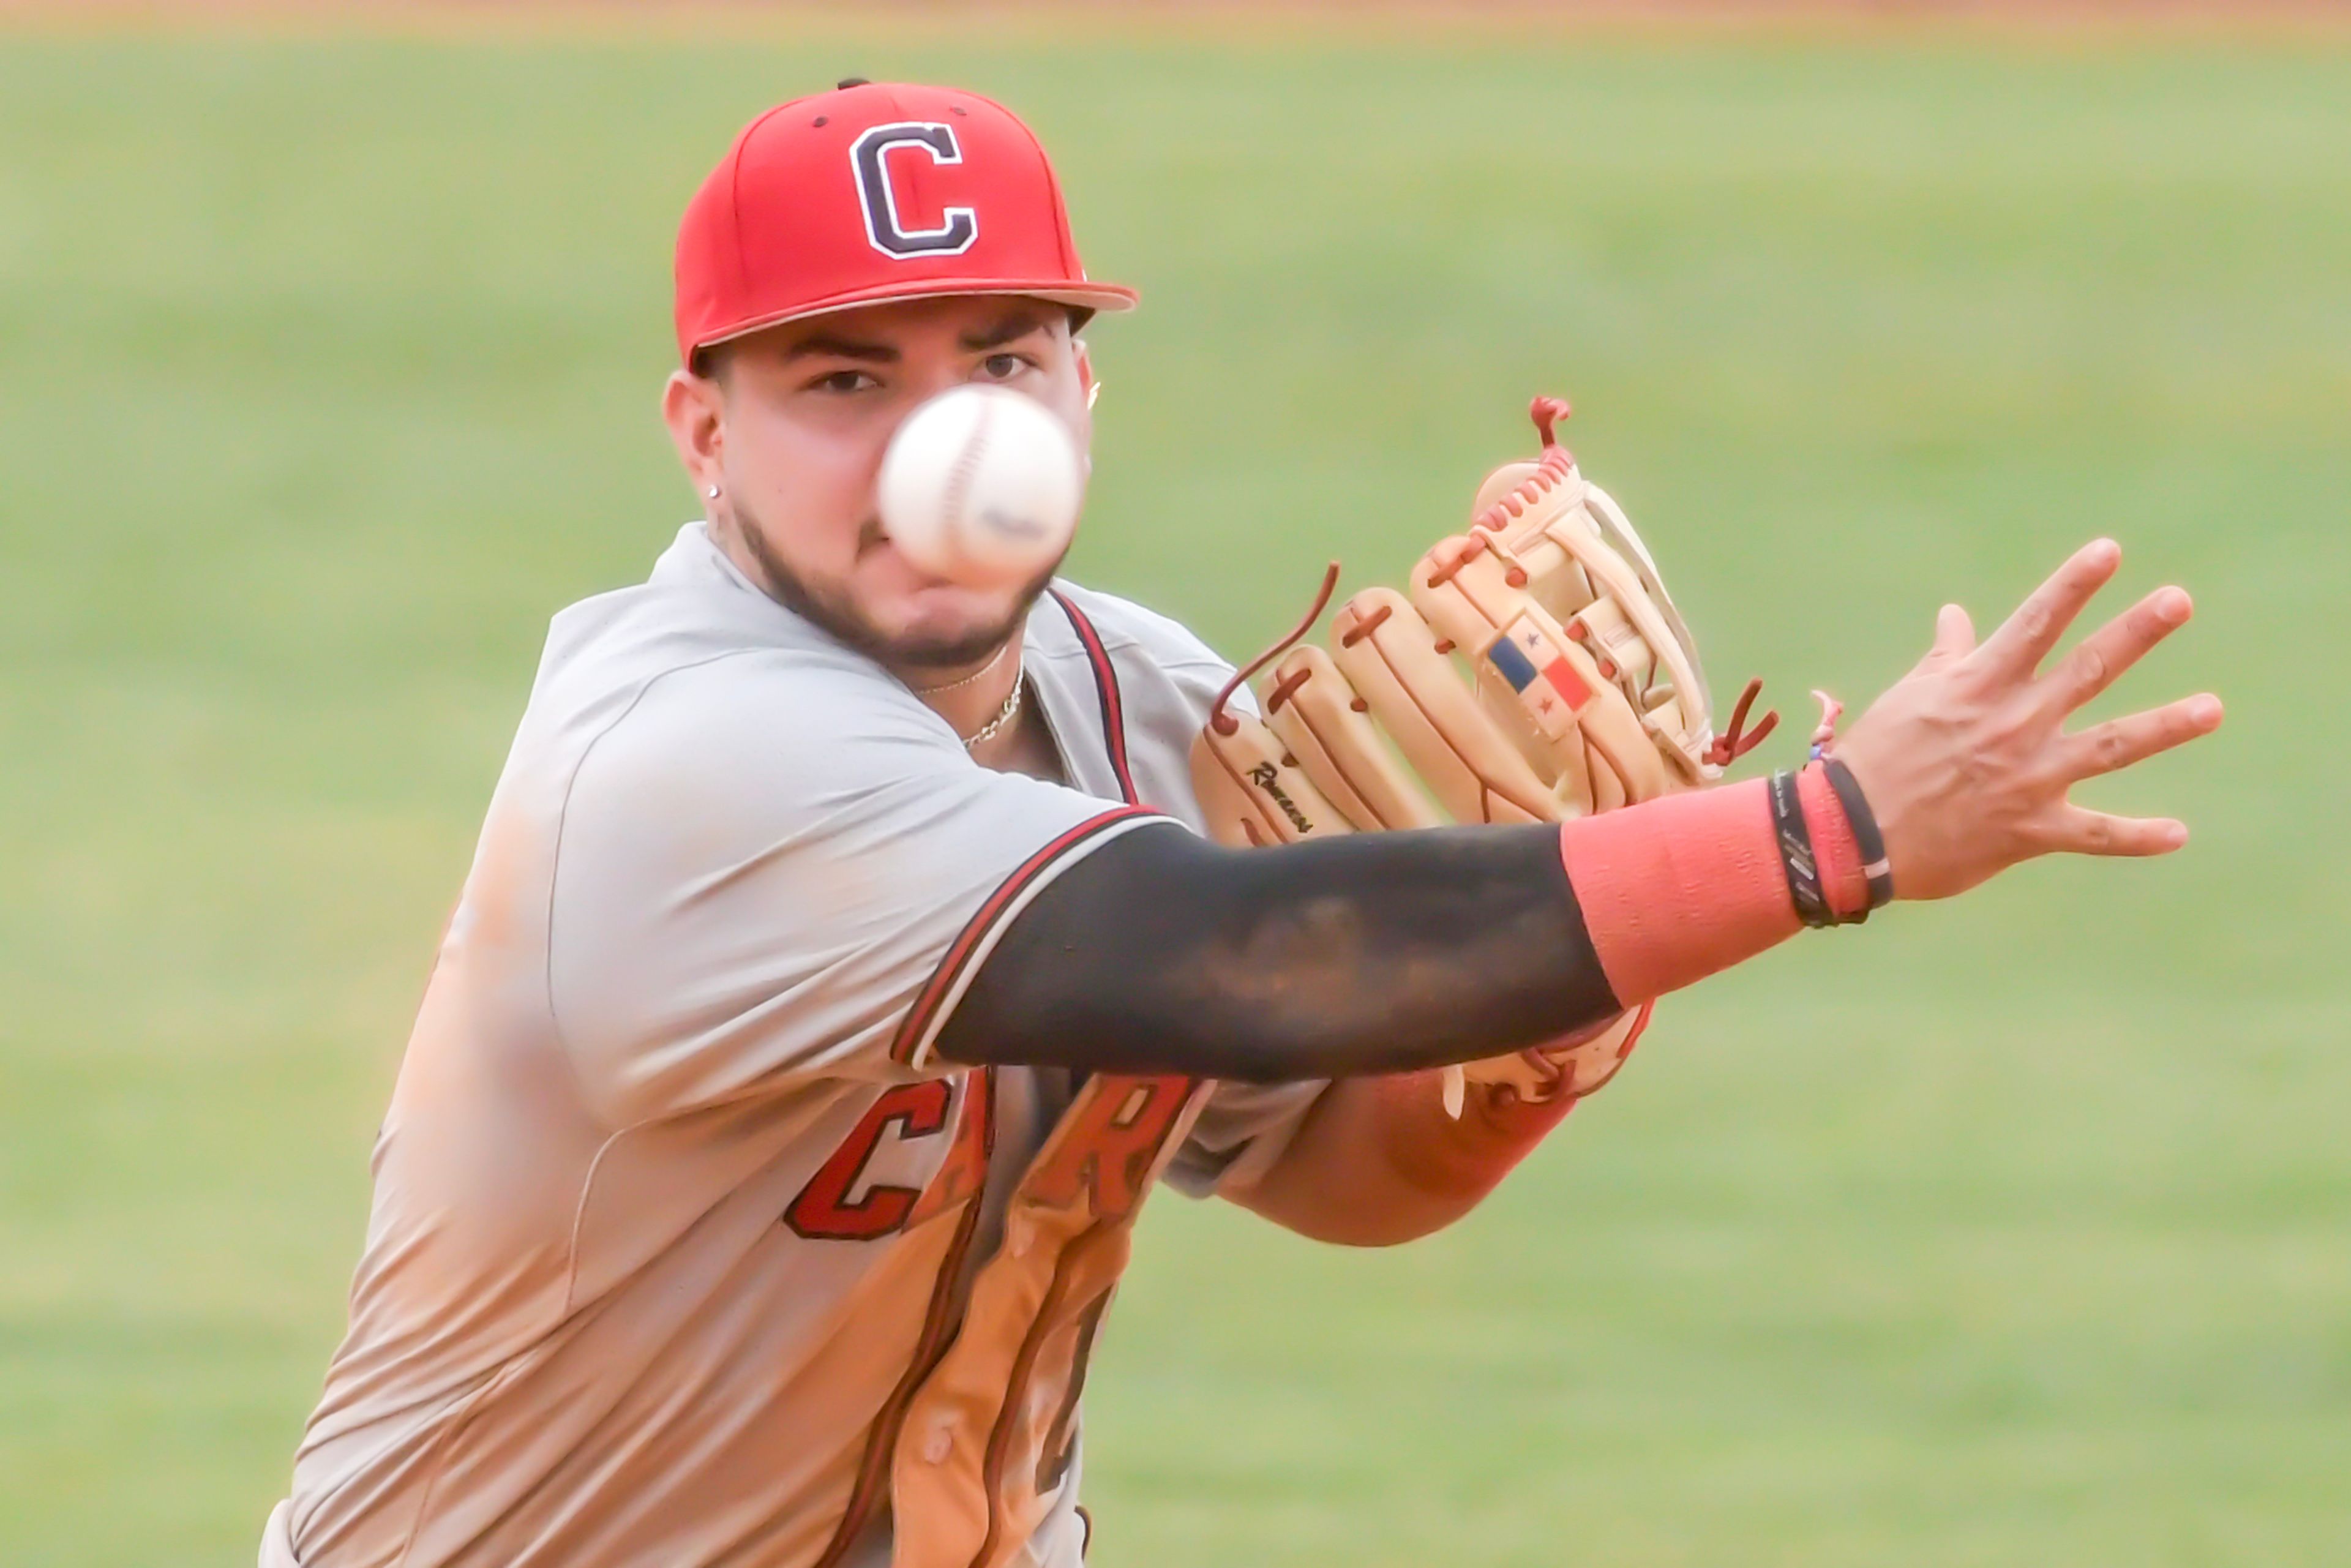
(712,492)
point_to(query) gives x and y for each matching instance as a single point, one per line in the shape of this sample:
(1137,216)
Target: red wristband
(1675,889)
(1835,851)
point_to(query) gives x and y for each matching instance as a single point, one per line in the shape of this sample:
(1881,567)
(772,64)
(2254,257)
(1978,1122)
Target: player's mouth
(873,538)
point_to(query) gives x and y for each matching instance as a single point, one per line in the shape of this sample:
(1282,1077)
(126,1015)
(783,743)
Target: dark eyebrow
(831,347)
(1010,326)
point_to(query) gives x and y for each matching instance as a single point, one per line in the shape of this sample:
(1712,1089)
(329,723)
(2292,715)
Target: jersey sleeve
(770,870)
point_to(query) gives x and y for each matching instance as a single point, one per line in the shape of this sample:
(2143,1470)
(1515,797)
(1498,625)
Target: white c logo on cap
(958,227)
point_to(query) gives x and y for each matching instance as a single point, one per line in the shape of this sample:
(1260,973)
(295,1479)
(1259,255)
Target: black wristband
(1867,837)
(1795,839)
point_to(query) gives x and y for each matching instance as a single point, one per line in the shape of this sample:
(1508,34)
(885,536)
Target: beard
(829,608)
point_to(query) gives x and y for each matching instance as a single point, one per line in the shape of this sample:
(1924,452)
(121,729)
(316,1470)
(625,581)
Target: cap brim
(1088,296)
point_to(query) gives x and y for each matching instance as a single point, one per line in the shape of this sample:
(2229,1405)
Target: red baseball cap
(875,191)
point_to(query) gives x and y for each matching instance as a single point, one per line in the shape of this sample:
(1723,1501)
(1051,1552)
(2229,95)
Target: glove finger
(1469,594)
(1390,655)
(1670,636)
(1252,790)
(1536,659)
(1608,790)
(1327,726)
(1480,598)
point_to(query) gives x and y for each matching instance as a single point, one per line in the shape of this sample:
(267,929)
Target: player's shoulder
(693,607)
(697,621)
(695,669)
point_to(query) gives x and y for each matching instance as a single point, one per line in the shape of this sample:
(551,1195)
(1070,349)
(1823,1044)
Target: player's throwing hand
(1966,760)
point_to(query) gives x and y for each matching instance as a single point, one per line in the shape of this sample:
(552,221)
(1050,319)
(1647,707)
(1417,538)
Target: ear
(1086,372)
(693,407)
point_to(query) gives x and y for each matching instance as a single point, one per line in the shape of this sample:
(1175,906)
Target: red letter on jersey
(822,1212)
(1106,1142)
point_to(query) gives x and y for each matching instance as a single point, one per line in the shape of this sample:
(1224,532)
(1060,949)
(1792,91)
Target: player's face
(793,431)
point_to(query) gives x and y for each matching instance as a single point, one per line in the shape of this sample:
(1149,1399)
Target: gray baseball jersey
(685,1248)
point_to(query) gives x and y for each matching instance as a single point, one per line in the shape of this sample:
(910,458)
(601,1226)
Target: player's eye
(839,382)
(1003,367)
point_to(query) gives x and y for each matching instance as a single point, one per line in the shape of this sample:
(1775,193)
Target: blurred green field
(2011,1231)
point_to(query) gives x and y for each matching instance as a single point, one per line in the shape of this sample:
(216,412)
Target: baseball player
(845,959)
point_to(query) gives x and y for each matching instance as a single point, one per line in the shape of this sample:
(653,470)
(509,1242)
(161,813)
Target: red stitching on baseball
(965,464)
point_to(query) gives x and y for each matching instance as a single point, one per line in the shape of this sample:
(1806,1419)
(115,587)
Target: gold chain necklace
(957,685)
(1004,716)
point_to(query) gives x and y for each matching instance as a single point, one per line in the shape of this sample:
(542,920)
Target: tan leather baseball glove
(1585,693)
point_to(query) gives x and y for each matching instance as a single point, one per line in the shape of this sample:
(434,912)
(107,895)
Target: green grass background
(2016,1230)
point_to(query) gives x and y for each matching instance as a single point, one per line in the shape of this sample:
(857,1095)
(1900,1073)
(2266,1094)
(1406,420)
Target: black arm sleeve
(1161,952)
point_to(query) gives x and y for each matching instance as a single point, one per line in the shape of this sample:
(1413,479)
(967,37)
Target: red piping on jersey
(1113,712)
(941,1323)
(968,941)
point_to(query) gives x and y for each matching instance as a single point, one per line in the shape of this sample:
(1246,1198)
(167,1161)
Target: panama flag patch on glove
(1535,667)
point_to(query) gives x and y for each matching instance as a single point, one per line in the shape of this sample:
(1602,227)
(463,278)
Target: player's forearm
(1383,953)
(1378,1161)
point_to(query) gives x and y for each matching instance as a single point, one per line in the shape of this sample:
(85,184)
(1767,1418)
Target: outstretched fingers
(2115,744)
(2016,649)
(2100,659)
(1955,638)
(2086,833)
(2120,742)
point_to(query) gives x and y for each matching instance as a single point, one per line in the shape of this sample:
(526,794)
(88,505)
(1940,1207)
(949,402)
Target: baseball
(981,485)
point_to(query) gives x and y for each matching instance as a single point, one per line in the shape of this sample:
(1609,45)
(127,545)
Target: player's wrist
(1831,851)
(1868,839)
